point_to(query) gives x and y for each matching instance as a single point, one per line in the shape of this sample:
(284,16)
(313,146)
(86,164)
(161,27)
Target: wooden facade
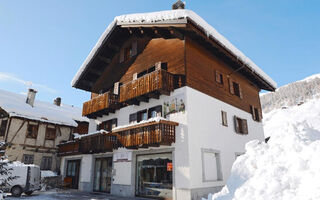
(137,136)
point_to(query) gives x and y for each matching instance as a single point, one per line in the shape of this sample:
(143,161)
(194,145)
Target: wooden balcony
(68,148)
(101,104)
(147,134)
(98,143)
(148,86)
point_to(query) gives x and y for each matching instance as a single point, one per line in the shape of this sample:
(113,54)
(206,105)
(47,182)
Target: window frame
(224,118)
(46,163)
(140,113)
(111,122)
(28,157)
(48,135)
(241,126)
(34,133)
(157,108)
(217,154)
(219,77)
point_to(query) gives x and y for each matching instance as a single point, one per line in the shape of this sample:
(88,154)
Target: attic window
(219,77)
(256,113)
(235,88)
(129,51)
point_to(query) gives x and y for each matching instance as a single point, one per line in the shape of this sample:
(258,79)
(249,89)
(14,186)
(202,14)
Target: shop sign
(122,156)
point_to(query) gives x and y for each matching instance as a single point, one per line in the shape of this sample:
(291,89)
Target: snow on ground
(288,166)
(47,173)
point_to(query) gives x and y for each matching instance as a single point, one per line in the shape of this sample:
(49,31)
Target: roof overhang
(170,19)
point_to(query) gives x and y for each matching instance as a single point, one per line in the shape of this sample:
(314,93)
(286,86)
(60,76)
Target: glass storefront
(102,175)
(154,175)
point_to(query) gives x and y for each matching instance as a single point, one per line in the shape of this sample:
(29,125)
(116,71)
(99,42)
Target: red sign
(169,167)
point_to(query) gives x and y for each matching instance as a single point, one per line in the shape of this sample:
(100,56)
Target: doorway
(73,171)
(102,175)
(154,175)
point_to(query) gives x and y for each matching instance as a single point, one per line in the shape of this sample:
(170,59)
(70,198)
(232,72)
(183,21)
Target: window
(132,118)
(219,77)
(241,125)
(50,133)
(256,113)
(32,131)
(155,112)
(142,115)
(224,118)
(109,125)
(27,159)
(127,52)
(3,127)
(235,88)
(211,165)
(46,163)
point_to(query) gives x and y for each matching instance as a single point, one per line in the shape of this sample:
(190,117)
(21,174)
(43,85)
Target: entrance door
(154,175)
(102,175)
(73,170)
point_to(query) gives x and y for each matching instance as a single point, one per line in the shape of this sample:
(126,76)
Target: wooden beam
(114,47)
(105,59)
(143,99)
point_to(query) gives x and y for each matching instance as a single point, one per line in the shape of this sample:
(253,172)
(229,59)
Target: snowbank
(288,166)
(47,173)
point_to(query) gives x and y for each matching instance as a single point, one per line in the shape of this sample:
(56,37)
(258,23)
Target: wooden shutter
(244,126)
(116,88)
(121,57)
(157,66)
(240,91)
(231,86)
(252,112)
(236,124)
(134,48)
(218,77)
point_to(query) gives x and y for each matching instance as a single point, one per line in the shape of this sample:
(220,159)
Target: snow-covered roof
(15,105)
(179,16)
(79,136)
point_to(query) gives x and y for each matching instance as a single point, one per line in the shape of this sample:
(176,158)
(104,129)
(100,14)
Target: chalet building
(176,103)
(31,130)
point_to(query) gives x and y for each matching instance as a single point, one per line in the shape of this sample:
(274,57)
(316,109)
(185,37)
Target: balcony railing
(98,143)
(154,83)
(68,148)
(147,134)
(103,103)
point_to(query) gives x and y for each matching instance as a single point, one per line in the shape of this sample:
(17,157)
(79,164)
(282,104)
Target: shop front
(102,175)
(154,175)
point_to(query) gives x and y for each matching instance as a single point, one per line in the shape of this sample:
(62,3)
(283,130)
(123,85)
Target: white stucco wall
(205,131)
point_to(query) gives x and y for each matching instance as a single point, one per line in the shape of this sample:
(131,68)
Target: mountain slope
(288,166)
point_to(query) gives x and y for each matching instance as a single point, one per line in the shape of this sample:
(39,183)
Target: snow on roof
(15,105)
(179,16)
(154,119)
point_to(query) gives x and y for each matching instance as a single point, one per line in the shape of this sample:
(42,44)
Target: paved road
(71,195)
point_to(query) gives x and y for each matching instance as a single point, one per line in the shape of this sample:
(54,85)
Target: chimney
(31,96)
(178,5)
(57,101)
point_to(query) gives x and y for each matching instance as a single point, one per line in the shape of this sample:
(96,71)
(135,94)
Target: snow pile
(79,136)
(292,94)
(154,119)
(288,166)
(179,16)
(47,173)
(15,105)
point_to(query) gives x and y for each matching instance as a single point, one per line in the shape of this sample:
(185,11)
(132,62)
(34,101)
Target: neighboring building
(32,129)
(177,103)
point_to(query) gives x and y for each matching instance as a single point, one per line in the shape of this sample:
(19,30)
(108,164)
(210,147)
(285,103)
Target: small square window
(32,131)
(219,77)
(46,163)
(27,159)
(241,125)
(50,133)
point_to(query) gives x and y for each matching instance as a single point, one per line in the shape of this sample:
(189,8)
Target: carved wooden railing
(68,148)
(100,103)
(147,134)
(159,81)
(98,143)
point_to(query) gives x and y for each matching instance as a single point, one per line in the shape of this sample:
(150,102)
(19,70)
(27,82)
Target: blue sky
(45,42)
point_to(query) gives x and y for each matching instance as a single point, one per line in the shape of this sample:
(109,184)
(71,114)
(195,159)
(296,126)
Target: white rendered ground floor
(198,163)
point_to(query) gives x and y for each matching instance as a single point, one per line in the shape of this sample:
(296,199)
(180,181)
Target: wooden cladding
(69,148)
(159,81)
(97,143)
(99,103)
(147,134)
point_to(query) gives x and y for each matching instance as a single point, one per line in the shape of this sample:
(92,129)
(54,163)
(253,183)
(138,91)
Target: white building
(177,102)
